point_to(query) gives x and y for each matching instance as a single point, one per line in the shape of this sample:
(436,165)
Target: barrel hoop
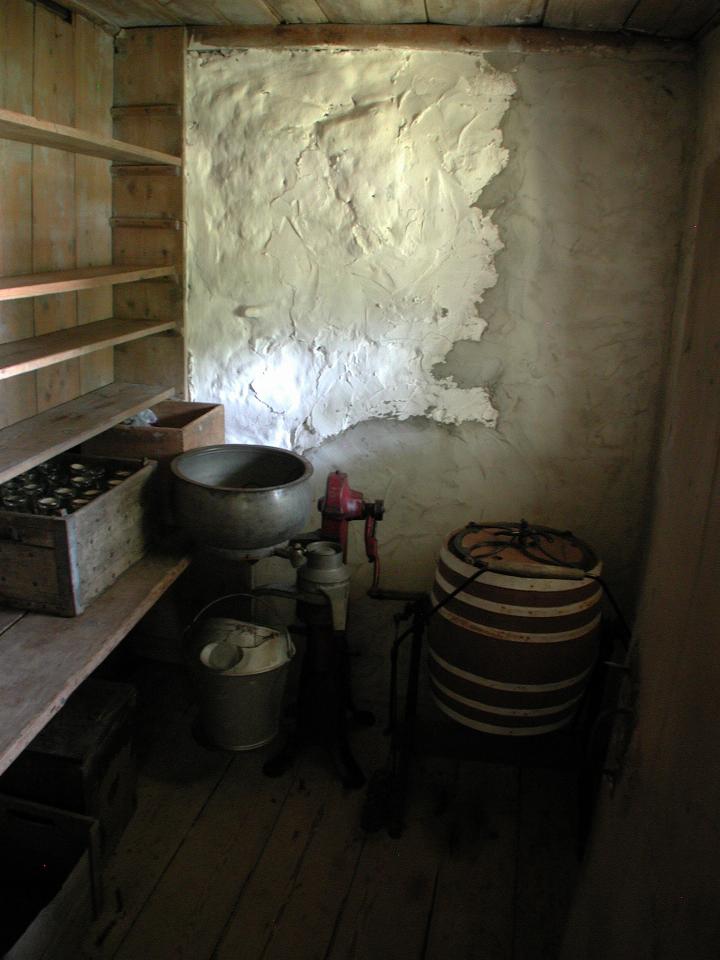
(516,623)
(506,711)
(511,635)
(510,582)
(518,594)
(517,662)
(502,731)
(504,698)
(514,611)
(510,687)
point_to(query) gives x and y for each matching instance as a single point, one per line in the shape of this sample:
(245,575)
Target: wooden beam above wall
(437,37)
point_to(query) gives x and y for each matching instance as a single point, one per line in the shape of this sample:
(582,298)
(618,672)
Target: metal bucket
(240,672)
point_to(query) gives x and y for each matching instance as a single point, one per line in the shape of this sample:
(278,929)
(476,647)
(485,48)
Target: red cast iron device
(339,506)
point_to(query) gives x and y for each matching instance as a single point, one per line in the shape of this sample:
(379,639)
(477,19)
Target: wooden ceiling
(678,19)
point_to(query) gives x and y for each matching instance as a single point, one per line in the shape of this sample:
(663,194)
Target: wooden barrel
(511,654)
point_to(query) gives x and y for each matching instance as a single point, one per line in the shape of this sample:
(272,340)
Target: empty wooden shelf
(43,133)
(82,278)
(23,356)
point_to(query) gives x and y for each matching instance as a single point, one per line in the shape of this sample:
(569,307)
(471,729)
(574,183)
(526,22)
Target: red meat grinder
(339,506)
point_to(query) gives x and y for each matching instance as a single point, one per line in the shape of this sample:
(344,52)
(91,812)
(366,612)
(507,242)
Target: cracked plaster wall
(337,254)
(450,275)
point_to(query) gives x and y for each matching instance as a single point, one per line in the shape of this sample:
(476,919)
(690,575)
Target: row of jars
(58,487)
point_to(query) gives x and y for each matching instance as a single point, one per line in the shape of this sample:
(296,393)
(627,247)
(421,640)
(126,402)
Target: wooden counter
(44,658)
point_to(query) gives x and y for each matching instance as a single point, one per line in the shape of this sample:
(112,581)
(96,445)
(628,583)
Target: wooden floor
(221,862)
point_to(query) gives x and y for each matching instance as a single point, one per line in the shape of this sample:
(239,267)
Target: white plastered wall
(449,275)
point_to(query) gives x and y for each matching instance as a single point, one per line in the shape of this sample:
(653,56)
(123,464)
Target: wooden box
(84,759)
(50,883)
(182,425)
(59,564)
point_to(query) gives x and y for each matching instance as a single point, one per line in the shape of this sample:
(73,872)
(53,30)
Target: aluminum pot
(241,496)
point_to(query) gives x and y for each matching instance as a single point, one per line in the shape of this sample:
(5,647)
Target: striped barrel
(510,654)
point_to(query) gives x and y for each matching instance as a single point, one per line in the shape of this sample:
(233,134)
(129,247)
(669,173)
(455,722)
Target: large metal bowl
(241,496)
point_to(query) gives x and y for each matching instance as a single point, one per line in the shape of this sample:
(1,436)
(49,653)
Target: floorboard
(388,908)
(186,912)
(290,903)
(177,777)
(548,865)
(222,863)
(473,907)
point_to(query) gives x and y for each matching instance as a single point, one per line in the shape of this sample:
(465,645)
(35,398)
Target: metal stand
(387,792)
(323,705)
(388,788)
(403,734)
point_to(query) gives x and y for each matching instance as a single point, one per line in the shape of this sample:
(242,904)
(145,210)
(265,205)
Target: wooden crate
(59,564)
(182,425)
(50,880)
(83,761)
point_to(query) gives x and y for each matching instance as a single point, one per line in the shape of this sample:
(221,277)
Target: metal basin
(241,496)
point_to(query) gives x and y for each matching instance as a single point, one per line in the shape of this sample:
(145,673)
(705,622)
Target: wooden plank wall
(148,201)
(54,206)
(651,884)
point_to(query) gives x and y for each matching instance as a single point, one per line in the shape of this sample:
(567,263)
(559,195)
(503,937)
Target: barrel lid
(258,649)
(522,543)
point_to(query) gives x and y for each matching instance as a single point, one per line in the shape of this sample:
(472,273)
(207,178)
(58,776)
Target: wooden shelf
(22,356)
(149,223)
(141,169)
(43,133)
(43,658)
(146,110)
(30,442)
(84,278)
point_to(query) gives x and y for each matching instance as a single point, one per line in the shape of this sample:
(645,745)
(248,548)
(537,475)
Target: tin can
(16,503)
(33,492)
(98,475)
(80,482)
(64,495)
(56,475)
(48,507)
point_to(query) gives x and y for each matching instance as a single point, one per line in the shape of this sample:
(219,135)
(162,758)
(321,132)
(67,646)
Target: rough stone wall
(450,275)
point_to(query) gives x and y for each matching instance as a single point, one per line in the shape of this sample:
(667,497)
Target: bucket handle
(229,596)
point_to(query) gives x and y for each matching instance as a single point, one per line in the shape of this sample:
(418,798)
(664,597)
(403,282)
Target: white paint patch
(335,251)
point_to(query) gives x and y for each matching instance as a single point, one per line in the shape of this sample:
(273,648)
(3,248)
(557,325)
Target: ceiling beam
(438,37)
(108,24)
